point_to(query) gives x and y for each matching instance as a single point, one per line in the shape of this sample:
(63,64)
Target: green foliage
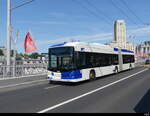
(1,53)
(32,56)
(20,55)
(26,56)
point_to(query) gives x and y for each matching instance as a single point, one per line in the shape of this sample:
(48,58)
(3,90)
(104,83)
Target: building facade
(120,40)
(143,47)
(120,33)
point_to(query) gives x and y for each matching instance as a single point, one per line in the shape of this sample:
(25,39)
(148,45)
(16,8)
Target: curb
(28,76)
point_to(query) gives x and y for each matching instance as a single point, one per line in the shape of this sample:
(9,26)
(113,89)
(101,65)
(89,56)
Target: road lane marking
(25,83)
(93,91)
(50,87)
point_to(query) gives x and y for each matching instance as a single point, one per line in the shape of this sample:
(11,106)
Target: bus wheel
(116,70)
(92,75)
(50,82)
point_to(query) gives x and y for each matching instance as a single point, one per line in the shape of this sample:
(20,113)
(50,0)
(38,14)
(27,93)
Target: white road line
(25,83)
(83,95)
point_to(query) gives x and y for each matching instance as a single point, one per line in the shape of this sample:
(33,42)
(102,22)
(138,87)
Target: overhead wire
(125,4)
(91,11)
(131,11)
(122,12)
(98,10)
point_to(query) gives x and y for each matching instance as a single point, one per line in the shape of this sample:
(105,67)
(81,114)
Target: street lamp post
(9,29)
(8,32)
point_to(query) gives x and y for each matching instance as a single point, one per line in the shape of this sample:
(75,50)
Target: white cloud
(52,22)
(42,22)
(57,15)
(26,22)
(95,37)
(85,38)
(139,31)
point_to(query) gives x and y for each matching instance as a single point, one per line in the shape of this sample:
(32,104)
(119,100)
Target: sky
(55,21)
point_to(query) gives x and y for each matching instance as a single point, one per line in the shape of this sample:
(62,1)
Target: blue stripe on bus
(82,49)
(75,74)
(115,49)
(123,50)
(61,44)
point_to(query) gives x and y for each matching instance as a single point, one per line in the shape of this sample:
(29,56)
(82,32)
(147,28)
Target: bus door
(120,60)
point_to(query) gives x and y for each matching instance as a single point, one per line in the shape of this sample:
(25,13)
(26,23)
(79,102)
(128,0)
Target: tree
(19,55)
(1,53)
(34,55)
(26,56)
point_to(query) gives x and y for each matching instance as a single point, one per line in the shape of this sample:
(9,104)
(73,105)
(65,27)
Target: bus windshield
(61,59)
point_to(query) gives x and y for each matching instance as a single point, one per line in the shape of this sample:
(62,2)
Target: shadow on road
(67,83)
(144,105)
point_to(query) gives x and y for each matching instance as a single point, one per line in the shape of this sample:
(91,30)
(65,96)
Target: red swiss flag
(29,44)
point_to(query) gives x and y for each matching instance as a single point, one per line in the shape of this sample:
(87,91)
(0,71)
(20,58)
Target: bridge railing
(22,70)
(140,61)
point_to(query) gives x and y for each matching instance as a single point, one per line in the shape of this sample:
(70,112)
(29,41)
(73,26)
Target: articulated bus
(80,61)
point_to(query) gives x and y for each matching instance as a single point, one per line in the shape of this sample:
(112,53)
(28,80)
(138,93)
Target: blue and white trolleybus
(79,61)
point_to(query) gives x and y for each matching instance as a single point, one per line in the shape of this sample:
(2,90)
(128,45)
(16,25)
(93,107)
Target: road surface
(125,92)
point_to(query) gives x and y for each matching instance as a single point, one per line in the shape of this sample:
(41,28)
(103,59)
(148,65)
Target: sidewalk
(22,80)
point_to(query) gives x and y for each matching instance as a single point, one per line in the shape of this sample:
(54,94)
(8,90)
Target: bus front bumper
(64,80)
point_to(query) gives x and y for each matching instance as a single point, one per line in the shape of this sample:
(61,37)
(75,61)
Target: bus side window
(98,60)
(115,59)
(88,60)
(81,60)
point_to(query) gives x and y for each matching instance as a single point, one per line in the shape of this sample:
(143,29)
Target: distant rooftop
(2,47)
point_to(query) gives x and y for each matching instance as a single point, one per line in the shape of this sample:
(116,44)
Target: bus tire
(50,82)
(92,75)
(116,70)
